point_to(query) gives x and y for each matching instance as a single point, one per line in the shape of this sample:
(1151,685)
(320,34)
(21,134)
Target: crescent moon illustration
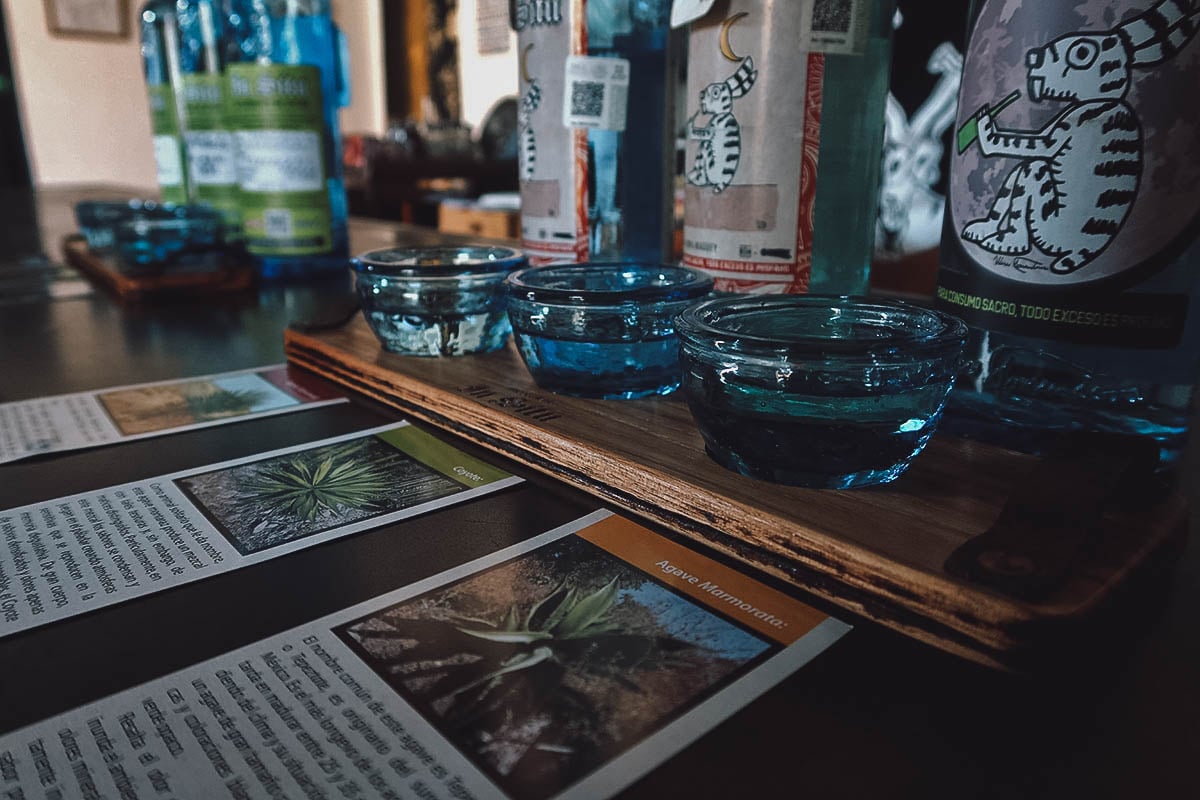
(726,50)
(525,63)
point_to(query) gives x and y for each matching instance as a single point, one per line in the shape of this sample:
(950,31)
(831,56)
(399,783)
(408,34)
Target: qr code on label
(587,98)
(278,223)
(206,166)
(833,16)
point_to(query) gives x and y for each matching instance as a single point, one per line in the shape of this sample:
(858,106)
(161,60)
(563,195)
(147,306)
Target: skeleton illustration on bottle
(910,209)
(1078,176)
(721,140)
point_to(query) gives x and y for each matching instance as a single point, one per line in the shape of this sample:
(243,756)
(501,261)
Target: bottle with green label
(160,60)
(285,78)
(211,155)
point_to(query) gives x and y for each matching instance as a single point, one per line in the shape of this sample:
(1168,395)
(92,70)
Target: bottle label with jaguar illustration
(1075,186)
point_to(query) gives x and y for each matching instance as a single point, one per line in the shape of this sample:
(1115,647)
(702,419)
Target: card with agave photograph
(546,667)
(145,536)
(159,407)
(567,665)
(138,411)
(284,498)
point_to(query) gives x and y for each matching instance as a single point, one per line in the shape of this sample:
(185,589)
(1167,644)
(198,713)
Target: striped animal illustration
(527,151)
(721,140)
(1078,176)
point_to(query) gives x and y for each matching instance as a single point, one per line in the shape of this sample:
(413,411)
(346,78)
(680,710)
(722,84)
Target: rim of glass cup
(909,330)
(551,284)
(110,211)
(433,263)
(139,224)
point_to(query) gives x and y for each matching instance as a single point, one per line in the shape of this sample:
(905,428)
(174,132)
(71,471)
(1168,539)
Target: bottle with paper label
(282,96)
(160,61)
(1071,240)
(211,154)
(594,151)
(785,129)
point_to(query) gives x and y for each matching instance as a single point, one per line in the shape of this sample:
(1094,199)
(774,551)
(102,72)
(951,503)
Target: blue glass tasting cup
(153,238)
(817,391)
(436,301)
(602,330)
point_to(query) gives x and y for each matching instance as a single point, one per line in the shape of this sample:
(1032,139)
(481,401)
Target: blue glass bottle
(630,208)
(160,62)
(211,153)
(596,146)
(286,78)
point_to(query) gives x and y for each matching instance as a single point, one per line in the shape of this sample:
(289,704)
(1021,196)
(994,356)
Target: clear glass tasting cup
(436,301)
(817,391)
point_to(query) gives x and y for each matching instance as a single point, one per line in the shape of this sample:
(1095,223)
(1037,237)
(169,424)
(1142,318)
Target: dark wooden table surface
(875,716)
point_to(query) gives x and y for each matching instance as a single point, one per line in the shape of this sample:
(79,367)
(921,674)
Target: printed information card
(74,554)
(122,413)
(566,666)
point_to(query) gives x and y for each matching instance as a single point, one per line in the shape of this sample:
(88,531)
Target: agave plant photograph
(145,409)
(547,667)
(279,500)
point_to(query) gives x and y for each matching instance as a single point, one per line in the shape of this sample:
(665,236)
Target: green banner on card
(443,458)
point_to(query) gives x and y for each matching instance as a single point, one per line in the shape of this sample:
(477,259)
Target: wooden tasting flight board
(878,552)
(103,269)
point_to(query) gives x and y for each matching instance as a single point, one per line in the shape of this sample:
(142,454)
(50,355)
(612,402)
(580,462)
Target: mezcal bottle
(1070,242)
(211,154)
(785,129)
(283,92)
(595,153)
(160,61)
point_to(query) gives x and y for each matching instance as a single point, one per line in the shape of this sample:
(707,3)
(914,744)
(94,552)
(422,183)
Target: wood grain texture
(878,552)
(103,270)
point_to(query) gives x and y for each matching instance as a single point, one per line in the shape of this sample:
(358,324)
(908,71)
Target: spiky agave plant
(298,486)
(224,402)
(572,617)
(491,675)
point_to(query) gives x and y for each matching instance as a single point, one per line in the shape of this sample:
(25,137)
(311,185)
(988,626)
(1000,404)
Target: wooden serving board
(878,552)
(104,270)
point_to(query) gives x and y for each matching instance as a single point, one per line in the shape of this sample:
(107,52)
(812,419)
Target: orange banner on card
(725,590)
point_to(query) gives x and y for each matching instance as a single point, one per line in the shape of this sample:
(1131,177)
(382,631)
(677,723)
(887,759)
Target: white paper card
(67,556)
(124,413)
(567,666)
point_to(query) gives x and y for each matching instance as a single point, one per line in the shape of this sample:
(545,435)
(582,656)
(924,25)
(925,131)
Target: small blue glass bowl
(602,330)
(818,391)
(148,235)
(170,236)
(436,301)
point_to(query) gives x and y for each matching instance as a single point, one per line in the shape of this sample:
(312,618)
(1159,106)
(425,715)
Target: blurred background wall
(83,102)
